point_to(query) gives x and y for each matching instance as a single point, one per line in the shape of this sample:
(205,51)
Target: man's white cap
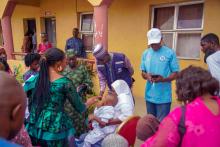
(99,52)
(154,36)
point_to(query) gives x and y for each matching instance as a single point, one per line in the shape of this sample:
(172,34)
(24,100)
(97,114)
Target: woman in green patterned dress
(48,125)
(79,75)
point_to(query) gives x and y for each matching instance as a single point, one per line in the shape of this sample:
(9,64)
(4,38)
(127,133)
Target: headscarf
(114,140)
(70,53)
(123,91)
(146,127)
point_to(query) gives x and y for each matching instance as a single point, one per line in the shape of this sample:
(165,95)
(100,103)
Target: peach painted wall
(128,24)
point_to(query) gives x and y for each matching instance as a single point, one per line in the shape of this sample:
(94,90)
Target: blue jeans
(158,110)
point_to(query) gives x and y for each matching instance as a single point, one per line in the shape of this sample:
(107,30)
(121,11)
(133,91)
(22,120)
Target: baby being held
(102,114)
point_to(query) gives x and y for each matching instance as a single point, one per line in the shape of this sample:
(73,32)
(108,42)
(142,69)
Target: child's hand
(89,126)
(102,124)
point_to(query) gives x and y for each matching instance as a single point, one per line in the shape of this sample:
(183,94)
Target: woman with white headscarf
(125,106)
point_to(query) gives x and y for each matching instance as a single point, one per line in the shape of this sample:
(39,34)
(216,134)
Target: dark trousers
(158,110)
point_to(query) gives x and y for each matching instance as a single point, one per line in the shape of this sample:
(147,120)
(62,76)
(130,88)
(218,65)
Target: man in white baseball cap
(154,36)
(159,67)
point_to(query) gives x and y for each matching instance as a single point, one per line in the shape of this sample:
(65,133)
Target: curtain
(188,45)
(87,22)
(164,18)
(168,39)
(87,41)
(190,16)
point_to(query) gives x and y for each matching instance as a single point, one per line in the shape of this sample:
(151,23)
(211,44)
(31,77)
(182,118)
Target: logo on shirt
(162,58)
(119,70)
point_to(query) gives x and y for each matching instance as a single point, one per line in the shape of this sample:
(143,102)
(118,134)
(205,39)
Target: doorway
(29,25)
(48,25)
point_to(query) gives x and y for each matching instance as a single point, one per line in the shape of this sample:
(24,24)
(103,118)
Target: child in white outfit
(102,114)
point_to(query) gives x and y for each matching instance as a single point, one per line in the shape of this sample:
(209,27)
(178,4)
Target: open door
(29,25)
(48,26)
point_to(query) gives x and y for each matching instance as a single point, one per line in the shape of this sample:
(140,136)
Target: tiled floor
(140,106)
(140,109)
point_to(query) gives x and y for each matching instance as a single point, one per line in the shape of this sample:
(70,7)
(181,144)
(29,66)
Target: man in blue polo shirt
(75,43)
(159,67)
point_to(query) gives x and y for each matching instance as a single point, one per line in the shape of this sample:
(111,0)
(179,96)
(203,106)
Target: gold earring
(60,68)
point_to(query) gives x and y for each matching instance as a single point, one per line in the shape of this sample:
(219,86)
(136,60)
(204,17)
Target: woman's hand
(91,117)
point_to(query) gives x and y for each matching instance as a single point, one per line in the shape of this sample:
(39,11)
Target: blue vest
(118,71)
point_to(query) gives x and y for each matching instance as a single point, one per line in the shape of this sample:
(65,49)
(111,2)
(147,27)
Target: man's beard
(208,53)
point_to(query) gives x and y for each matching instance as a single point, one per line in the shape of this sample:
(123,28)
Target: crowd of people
(51,108)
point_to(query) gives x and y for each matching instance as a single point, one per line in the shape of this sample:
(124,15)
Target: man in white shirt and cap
(159,67)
